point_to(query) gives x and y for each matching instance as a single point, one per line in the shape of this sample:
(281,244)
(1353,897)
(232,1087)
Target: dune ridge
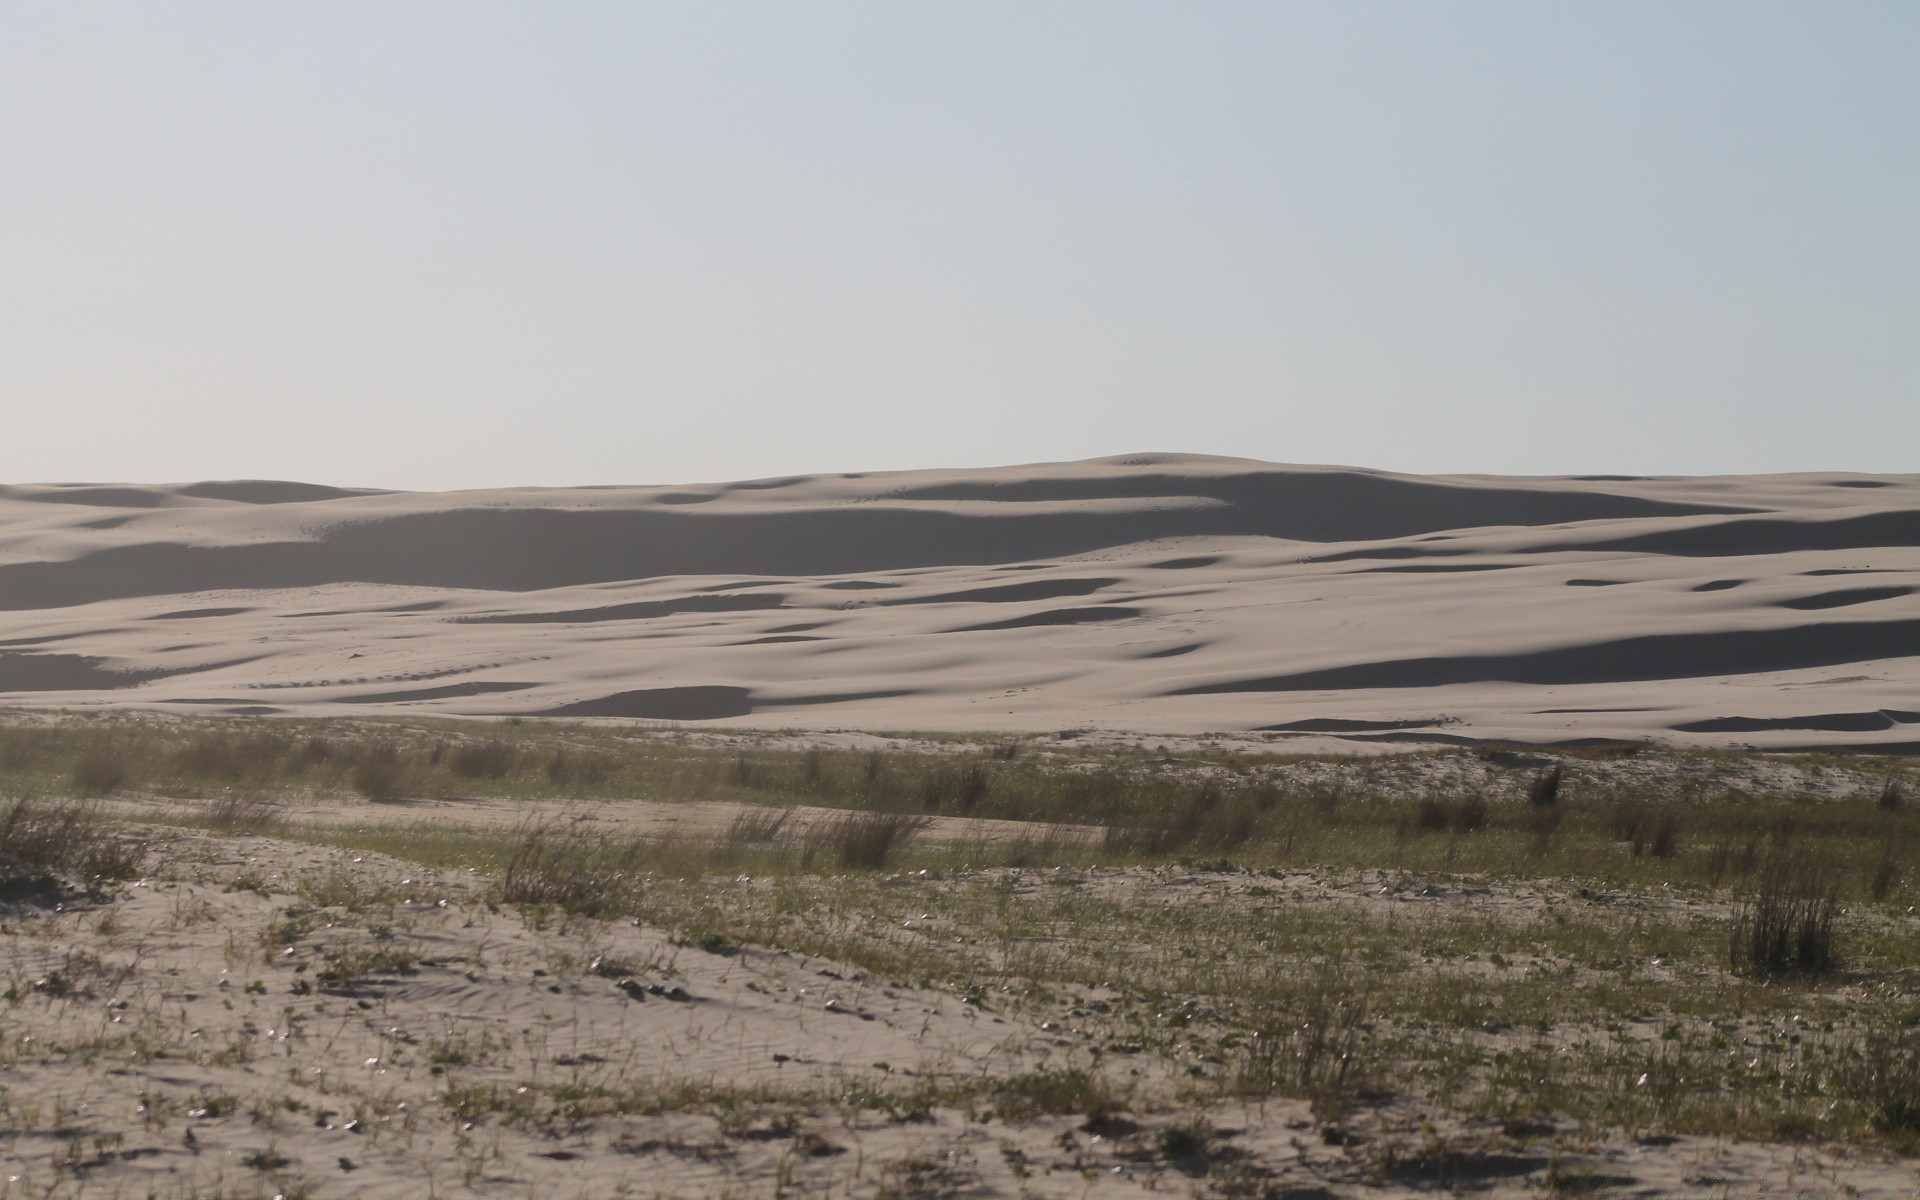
(1154,593)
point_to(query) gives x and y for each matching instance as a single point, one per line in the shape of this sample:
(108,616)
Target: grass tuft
(41,842)
(378,773)
(1786,927)
(1544,791)
(868,840)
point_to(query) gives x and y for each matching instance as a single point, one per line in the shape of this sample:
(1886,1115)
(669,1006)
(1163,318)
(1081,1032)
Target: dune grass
(1572,818)
(1548,944)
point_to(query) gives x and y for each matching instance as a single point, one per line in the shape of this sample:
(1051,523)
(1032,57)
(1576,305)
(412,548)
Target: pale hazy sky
(468,244)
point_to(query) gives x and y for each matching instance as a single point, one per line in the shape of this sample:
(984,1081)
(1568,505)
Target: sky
(472,244)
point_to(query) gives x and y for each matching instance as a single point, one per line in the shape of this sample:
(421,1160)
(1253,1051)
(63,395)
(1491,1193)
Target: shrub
(316,750)
(1629,816)
(946,787)
(1725,858)
(577,769)
(1206,819)
(748,774)
(229,756)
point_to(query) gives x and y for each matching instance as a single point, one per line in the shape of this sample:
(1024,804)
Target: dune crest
(1158,593)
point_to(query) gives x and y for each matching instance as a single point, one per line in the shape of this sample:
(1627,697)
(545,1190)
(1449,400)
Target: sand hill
(1165,593)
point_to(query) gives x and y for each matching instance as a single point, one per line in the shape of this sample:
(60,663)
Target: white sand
(1165,593)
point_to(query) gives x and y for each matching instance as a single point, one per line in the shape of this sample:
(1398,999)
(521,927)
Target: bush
(230,757)
(1661,839)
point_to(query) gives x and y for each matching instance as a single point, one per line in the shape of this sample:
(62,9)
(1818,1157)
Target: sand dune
(1160,593)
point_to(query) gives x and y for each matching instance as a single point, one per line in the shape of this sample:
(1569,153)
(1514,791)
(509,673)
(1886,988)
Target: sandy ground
(186,1037)
(1161,593)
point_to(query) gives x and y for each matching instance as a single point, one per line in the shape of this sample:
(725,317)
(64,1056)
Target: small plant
(1187,1140)
(356,966)
(1892,796)
(1060,1092)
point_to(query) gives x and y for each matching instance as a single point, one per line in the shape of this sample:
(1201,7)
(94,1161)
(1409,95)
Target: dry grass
(43,843)
(1544,791)
(551,867)
(866,840)
(377,774)
(1886,1079)
(1786,927)
(758,826)
(1315,1044)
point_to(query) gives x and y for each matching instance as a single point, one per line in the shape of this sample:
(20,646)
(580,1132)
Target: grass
(1577,817)
(1637,943)
(44,843)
